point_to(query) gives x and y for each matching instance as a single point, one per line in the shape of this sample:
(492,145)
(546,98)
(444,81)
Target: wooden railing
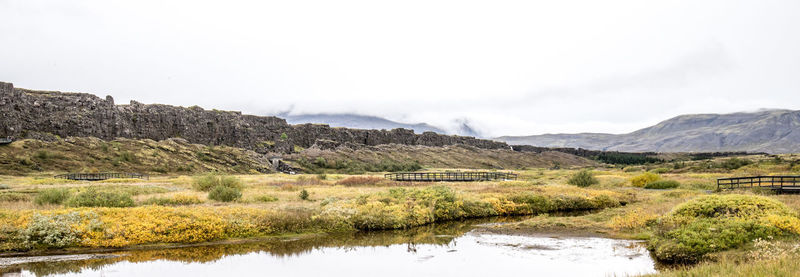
(450,176)
(101,176)
(774,182)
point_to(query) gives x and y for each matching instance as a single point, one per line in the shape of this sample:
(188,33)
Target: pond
(451,249)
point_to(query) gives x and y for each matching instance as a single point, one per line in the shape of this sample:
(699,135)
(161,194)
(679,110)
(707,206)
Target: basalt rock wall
(28,112)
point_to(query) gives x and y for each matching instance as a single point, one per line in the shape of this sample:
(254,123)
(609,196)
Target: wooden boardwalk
(450,176)
(101,176)
(777,183)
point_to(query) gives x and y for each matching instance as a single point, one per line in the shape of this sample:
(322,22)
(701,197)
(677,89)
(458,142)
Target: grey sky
(509,67)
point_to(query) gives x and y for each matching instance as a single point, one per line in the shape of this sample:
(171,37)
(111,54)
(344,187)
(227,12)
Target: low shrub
(734,163)
(14,197)
(213,180)
(176,200)
(4,186)
(407,207)
(583,178)
(52,231)
(643,179)
(93,198)
(52,196)
(304,195)
(225,194)
(716,223)
(265,198)
(360,181)
(632,169)
(662,184)
(660,170)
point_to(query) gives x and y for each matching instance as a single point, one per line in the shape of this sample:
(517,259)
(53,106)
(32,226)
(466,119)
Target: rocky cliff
(37,114)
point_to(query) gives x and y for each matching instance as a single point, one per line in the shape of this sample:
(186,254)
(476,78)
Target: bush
(4,186)
(14,197)
(660,170)
(212,180)
(94,198)
(716,223)
(644,178)
(583,178)
(225,194)
(304,194)
(734,163)
(177,200)
(358,180)
(52,231)
(52,196)
(265,198)
(662,184)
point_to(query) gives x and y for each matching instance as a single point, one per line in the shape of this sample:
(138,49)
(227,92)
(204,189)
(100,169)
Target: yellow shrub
(632,220)
(784,222)
(644,178)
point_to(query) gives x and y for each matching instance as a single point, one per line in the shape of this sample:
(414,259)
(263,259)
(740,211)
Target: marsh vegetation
(675,210)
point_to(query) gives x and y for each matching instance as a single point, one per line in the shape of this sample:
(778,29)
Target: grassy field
(39,213)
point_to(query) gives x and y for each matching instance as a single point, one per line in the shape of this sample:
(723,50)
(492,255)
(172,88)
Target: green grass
(54,196)
(94,198)
(785,266)
(662,184)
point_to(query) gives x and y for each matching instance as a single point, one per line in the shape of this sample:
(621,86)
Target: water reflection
(448,249)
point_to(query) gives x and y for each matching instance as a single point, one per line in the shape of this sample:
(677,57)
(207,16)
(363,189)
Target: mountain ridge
(771,131)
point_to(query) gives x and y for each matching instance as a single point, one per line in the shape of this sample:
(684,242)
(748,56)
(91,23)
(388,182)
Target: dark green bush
(304,194)
(734,163)
(213,180)
(94,198)
(583,178)
(52,196)
(225,194)
(662,184)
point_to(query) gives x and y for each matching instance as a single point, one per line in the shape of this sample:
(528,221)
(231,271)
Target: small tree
(284,136)
(304,194)
(583,178)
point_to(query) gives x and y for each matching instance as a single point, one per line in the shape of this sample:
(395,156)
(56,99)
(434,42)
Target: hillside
(177,156)
(771,131)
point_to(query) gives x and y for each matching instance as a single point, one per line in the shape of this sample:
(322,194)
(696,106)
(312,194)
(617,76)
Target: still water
(454,249)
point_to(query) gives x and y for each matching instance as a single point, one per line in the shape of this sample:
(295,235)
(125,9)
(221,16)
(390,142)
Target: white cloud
(509,67)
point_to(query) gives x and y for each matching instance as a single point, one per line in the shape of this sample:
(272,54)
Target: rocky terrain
(46,114)
(770,131)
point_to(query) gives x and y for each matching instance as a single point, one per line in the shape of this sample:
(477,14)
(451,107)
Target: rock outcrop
(28,113)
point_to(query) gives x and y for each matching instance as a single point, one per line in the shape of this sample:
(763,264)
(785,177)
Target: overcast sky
(508,67)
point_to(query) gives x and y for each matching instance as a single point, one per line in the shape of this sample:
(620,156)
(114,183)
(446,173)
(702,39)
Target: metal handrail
(450,176)
(101,176)
(770,181)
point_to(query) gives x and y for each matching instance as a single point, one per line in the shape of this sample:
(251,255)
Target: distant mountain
(358,122)
(771,131)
